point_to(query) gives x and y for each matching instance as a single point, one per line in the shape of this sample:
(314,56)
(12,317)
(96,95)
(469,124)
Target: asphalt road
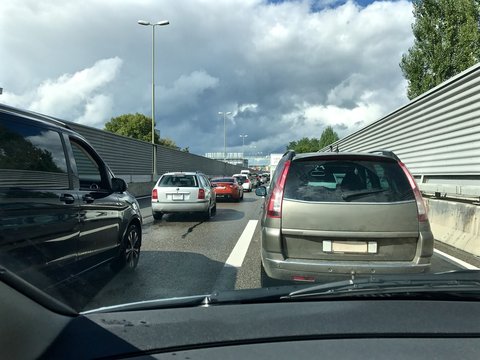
(184,255)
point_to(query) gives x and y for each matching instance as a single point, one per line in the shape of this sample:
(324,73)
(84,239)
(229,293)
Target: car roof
(35,117)
(336,155)
(183,173)
(41,120)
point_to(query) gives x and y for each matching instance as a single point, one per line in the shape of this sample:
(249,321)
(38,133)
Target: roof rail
(290,153)
(388,153)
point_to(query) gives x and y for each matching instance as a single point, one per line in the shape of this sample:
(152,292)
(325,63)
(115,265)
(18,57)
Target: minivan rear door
(361,208)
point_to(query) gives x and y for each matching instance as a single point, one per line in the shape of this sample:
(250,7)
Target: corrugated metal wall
(124,155)
(437,135)
(127,156)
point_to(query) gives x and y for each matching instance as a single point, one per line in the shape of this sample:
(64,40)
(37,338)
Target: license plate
(220,187)
(356,247)
(177,197)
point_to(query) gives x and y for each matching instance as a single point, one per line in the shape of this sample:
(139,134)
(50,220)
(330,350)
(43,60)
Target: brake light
(154,194)
(422,209)
(274,207)
(201,194)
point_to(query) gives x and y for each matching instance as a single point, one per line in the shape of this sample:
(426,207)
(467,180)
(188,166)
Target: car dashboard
(328,329)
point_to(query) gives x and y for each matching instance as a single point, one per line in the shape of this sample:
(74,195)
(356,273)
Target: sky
(284,69)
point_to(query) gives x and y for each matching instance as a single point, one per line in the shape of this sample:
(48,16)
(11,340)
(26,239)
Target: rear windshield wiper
(362,193)
(453,282)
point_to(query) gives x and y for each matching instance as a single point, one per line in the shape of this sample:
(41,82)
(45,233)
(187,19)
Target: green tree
(304,145)
(329,136)
(137,126)
(447,41)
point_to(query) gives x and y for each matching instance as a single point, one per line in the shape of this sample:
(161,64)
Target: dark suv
(62,211)
(343,213)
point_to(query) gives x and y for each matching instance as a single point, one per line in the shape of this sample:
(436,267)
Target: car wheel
(208,214)
(129,251)
(157,215)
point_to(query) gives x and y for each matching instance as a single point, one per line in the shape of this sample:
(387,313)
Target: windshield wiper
(458,282)
(362,193)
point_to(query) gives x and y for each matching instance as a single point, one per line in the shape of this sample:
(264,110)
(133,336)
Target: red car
(227,188)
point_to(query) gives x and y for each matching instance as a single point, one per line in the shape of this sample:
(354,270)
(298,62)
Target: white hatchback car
(183,192)
(246,183)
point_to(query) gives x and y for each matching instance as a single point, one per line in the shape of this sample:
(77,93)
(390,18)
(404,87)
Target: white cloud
(303,64)
(96,110)
(73,96)
(185,91)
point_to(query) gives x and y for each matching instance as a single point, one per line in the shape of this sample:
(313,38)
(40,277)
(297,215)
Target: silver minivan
(343,214)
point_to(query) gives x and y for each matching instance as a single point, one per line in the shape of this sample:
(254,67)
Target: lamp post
(148,23)
(243,143)
(224,133)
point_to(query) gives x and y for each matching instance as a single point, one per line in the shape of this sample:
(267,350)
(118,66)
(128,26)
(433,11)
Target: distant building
(231,158)
(257,162)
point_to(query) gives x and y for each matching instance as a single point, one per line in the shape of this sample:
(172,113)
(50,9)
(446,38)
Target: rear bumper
(286,269)
(227,195)
(278,265)
(180,207)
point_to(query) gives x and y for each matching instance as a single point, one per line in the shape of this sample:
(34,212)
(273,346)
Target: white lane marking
(240,250)
(455,260)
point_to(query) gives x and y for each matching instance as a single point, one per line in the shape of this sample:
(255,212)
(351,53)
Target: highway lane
(184,255)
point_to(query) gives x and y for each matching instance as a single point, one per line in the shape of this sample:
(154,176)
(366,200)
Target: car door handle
(67,198)
(88,198)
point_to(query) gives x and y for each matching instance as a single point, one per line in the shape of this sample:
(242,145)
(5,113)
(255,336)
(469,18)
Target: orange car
(227,188)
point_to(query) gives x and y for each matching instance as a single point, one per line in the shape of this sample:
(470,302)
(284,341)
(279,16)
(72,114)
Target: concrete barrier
(456,224)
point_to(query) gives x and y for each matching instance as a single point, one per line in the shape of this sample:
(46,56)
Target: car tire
(129,250)
(208,214)
(157,215)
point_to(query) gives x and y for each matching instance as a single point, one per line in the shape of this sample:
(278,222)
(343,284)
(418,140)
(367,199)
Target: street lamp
(224,133)
(243,143)
(148,23)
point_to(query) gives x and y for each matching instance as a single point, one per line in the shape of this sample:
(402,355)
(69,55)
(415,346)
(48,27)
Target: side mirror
(261,191)
(119,185)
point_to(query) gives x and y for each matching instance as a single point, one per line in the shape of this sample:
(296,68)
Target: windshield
(346,135)
(179,180)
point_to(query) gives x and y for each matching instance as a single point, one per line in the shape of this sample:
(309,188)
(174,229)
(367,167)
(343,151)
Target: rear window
(178,181)
(227,180)
(347,181)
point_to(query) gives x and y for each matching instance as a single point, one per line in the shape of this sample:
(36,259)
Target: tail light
(201,194)
(274,207)
(154,194)
(422,209)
